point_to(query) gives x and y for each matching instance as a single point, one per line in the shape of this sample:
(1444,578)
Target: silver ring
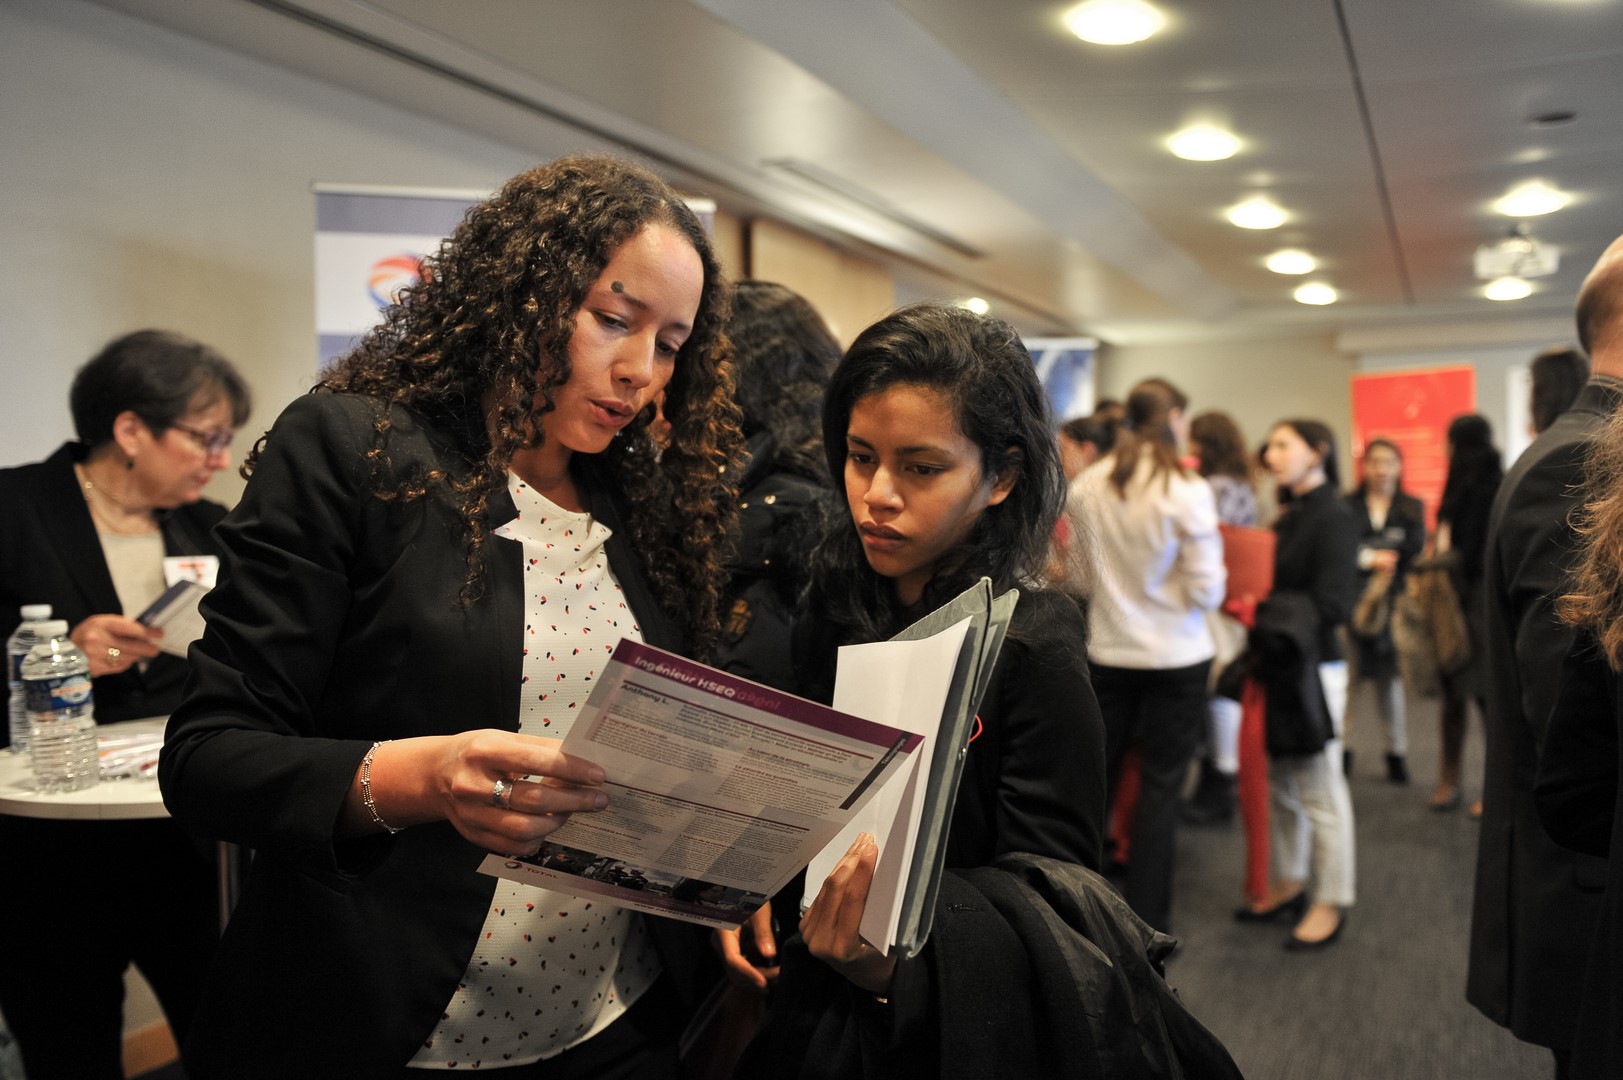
(501,795)
(113,654)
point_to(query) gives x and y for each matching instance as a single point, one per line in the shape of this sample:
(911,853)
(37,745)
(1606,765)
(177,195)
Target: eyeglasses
(210,442)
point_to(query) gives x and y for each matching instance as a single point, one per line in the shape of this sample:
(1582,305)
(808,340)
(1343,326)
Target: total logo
(392,273)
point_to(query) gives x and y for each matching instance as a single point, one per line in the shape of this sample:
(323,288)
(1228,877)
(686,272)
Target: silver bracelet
(366,791)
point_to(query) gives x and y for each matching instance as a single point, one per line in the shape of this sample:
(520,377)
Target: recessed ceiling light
(975,304)
(1291,261)
(1531,199)
(1114,22)
(1203,142)
(1257,212)
(1507,288)
(1316,293)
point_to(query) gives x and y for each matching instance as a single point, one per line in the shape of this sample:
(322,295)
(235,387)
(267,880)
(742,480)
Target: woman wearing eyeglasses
(89,531)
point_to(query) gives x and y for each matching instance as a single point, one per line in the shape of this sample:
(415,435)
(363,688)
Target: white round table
(110,800)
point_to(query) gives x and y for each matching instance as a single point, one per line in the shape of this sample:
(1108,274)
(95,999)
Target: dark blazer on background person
(1535,901)
(1317,553)
(1577,802)
(339,622)
(49,554)
(1404,532)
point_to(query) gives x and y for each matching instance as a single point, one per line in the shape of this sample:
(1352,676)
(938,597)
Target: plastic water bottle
(61,712)
(17,646)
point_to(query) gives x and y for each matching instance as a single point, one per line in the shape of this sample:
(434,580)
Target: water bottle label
(51,695)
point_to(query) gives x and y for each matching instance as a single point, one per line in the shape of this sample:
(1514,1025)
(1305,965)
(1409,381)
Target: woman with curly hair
(435,553)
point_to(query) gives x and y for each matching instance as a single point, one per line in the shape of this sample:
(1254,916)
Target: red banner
(1412,409)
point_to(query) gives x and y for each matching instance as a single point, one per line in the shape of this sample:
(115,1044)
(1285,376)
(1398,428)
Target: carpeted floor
(1388,999)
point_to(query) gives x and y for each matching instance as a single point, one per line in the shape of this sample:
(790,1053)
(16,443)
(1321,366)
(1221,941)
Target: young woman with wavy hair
(436,551)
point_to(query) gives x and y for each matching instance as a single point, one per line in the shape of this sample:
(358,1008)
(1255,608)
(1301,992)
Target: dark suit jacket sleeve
(1576,791)
(1535,528)
(228,767)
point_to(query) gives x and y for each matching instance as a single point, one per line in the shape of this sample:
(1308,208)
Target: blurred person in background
(92,531)
(1392,532)
(1474,473)
(1312,818)
(1557,375)
(784,354)
(1159,570)
(1226,464)
(1082,441)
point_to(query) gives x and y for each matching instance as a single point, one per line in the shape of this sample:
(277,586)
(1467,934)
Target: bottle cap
(51,628)
(36,612)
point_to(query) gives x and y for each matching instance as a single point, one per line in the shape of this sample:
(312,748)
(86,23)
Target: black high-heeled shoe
(1296,944)
(1294,907)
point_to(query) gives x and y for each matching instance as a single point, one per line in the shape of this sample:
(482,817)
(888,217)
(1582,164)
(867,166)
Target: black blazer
(49,554)
(1536,902)
(337,622)
(1577,801)
(1317,554)
(1403,532)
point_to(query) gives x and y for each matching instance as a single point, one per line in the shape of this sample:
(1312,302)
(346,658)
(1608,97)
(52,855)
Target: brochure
(720,789)
(929,679)
(176,614)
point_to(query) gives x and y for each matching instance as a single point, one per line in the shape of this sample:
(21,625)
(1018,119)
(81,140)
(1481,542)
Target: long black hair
(982,367)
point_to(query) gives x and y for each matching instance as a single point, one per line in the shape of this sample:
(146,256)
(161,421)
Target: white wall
(149,179)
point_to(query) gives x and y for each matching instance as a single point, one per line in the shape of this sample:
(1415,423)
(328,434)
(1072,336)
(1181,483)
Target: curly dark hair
(981,365)
(480,346)
(784,354)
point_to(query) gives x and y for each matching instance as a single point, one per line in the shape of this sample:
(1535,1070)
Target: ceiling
(978,148)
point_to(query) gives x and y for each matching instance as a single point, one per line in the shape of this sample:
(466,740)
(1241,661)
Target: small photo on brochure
(683,897)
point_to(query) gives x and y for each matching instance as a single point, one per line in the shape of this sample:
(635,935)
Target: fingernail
(869,844)
(594,775)
(600,801)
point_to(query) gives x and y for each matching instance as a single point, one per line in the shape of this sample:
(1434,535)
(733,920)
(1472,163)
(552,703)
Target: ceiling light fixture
(1203,142)
(1531,200)
(1316,293)
(1507,288)
(1257,212)
(1114,22)
(976,304)
(1291,261)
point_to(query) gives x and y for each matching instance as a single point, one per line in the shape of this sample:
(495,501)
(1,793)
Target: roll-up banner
(1065,367)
